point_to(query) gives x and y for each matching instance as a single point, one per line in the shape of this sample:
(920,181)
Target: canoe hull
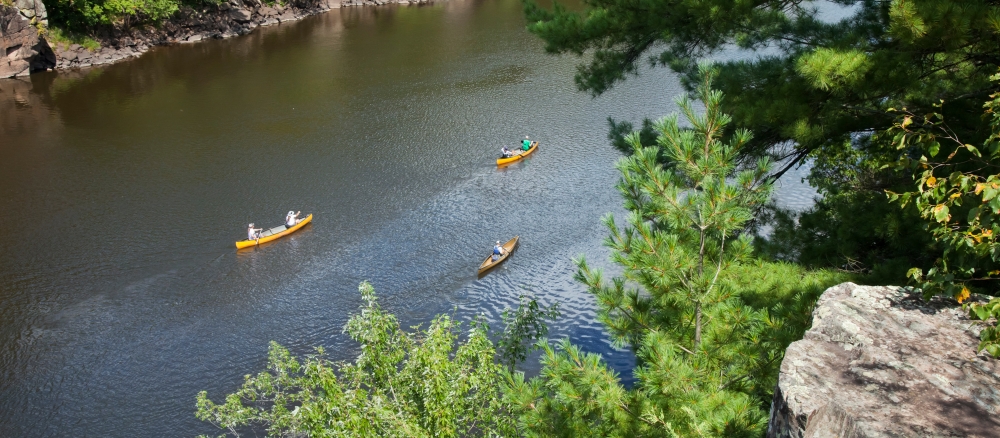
(518,157)
(490,264)
(264,239)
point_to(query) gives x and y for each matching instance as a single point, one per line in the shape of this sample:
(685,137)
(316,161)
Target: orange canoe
(518,156)
(274,233)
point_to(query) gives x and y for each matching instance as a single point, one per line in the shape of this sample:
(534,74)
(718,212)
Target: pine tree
(702,349)
(683,217)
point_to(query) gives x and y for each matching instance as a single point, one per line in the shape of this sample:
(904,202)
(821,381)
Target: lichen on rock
(882,362)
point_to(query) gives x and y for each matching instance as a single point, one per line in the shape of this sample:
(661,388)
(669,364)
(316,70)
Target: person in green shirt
(525,144)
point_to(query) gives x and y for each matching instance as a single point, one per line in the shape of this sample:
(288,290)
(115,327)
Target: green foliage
(683,217)
(577,395)
(821,91)
(58,36)
(675,248)
(87,16)
(709,325)
(522,328)
(990,335)
(783,295)
(826,79)
(828,69)
(402,384)
(957,196)
(852,226)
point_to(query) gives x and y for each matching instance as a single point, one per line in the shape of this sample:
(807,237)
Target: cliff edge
(882,362)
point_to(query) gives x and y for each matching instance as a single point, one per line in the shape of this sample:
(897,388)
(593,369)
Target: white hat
(251,225)
(498,242)
(291,212)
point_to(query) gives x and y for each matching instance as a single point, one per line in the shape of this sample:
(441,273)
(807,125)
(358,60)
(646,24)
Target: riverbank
(188,25)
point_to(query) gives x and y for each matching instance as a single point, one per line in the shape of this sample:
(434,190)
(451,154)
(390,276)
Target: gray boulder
(881,362)
(33,9)
(240,15)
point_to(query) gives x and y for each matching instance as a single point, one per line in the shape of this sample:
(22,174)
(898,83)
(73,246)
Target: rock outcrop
(881,362)
(33,10)
(22,50)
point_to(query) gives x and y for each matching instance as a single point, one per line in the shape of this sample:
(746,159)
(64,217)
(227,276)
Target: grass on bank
(57,36)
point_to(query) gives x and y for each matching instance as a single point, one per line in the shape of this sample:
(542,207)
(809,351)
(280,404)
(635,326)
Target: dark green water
(123,189)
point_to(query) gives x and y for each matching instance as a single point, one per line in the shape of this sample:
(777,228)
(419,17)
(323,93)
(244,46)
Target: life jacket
(496,250)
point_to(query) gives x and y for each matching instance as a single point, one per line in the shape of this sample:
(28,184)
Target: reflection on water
(25,117)
(124,188)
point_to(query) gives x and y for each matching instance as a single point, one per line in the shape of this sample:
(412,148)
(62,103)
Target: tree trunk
(697,304)
(697,326)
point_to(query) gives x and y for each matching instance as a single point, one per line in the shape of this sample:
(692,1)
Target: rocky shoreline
(24,50)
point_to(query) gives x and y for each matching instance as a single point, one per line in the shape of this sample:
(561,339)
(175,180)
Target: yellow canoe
(518,156)
(274,233)
(489,263)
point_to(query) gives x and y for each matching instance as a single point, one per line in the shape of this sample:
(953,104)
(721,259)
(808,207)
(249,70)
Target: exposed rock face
(881,362)
(22,51)
(33,10)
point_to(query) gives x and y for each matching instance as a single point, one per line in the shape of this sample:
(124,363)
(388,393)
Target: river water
(123,189)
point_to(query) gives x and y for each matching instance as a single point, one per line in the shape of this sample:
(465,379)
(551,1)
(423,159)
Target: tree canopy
(812,89)
(813,83)
(428,383)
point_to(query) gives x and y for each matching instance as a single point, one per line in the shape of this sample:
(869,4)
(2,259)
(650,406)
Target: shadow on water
(507,75)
